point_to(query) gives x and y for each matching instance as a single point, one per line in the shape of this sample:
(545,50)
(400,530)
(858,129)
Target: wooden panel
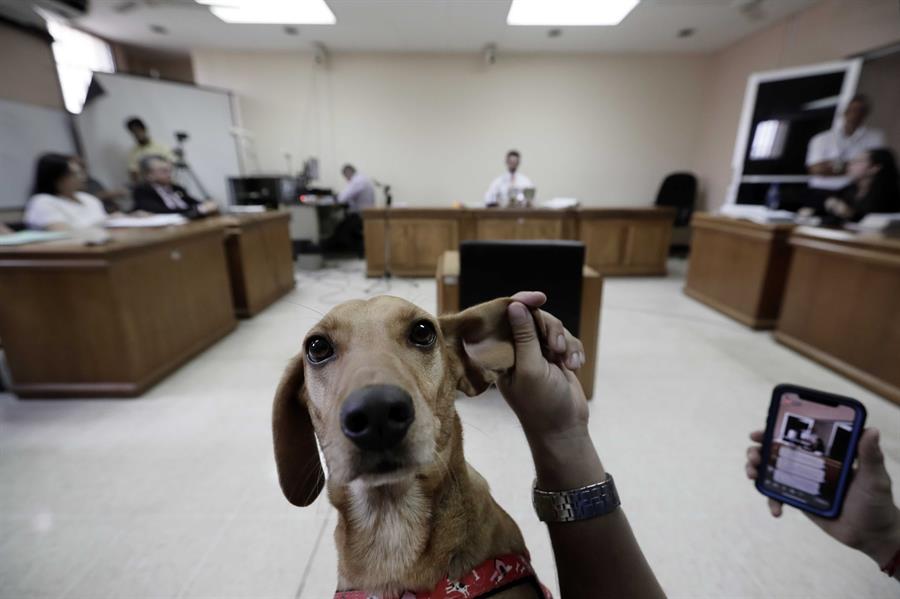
(604,242)
(447,278)
(59,324)
(628,241)
(591,304)
(495,229)
(260,263)
(739,268)
(840,308)
(648,245)
(112,320)
(417,243)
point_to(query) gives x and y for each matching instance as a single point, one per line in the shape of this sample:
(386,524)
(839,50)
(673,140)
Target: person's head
(138,130)
(57,174)
(874,163)
(512,160)
(856,112)
(156,169)
(348,171)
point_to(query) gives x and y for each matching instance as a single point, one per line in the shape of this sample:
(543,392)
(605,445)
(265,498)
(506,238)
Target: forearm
(884,547)
(599,557)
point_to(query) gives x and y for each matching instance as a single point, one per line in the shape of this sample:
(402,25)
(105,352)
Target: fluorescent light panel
(569,12)
(277,12)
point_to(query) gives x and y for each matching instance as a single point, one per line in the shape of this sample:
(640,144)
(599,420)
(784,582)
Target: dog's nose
(377,417)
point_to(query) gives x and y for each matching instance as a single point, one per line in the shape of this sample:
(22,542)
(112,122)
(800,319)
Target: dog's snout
(377,417)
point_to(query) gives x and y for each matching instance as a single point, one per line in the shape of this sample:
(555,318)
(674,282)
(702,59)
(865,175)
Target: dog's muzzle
(377,417)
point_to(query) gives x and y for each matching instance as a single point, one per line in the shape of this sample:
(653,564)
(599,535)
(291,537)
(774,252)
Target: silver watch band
(594,500)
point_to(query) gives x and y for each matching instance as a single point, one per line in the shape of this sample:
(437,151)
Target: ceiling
(434,26)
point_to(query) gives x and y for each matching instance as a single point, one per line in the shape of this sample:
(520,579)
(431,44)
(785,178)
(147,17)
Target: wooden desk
(447,275)
(111,320)
(842,305)
(626,241)
(739,267)
(618,240)
(260,261)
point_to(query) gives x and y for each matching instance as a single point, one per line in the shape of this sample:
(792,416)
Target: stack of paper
(758,214)
(24,237)
(155,220)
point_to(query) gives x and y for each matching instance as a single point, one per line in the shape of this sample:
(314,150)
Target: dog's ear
(480,343)
(296,454)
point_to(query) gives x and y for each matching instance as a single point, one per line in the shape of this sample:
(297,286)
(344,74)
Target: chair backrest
(679,190)
(491,269)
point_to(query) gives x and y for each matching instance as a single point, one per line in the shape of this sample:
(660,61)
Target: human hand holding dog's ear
(545,395)
(548,400)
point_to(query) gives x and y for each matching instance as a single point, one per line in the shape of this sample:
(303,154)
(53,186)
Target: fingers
(869,451)
(753,460)
(775,507)
(528,347)
(565,347)
(757,436)
(532,299)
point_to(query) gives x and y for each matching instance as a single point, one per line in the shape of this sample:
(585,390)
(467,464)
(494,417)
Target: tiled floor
(174,494)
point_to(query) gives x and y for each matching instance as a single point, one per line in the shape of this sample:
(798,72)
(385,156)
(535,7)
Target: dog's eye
(318,349)
(422,334)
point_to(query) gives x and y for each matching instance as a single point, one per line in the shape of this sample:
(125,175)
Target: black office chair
(491,269)
(679,190)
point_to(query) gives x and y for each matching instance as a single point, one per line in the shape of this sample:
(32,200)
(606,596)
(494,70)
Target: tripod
(386,277)
(182,167)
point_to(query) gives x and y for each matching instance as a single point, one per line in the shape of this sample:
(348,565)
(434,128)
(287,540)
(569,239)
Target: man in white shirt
(510,186)
(359,194)
(829,152)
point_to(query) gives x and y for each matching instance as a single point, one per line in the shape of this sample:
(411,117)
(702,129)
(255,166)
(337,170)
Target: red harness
(489,577)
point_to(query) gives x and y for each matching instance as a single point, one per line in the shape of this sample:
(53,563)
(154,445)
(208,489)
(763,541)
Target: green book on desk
(25,237)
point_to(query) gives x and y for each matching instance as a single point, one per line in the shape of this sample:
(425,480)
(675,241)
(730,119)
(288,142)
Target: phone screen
(811,442)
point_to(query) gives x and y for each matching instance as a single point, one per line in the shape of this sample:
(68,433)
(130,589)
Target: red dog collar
(488,577)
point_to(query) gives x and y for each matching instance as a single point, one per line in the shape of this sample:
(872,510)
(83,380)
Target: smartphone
(809,448)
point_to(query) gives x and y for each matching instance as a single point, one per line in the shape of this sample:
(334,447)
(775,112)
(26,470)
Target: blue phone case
(812,395)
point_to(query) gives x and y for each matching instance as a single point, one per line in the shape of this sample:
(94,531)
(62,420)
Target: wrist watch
(597,499)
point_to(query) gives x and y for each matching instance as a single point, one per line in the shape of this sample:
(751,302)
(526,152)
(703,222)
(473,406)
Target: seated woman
(875,187)
(57,204)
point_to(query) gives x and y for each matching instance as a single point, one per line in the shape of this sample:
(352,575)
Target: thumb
(528,347)
(870,455)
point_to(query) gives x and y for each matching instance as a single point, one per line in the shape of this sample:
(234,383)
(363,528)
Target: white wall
(605,129)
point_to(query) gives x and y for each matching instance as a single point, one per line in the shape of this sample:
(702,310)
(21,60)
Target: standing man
(510,186)
(830,151)
(143,147)
(158,194)
(359,194)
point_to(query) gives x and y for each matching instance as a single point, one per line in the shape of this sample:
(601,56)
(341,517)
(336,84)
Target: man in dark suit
(159,195)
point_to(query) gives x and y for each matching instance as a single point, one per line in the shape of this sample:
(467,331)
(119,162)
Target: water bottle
(773,197)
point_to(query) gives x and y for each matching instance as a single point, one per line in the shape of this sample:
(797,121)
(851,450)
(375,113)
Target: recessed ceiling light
(569,12)
(279,12)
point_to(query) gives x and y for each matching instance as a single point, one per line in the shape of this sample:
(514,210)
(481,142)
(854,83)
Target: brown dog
(376,382)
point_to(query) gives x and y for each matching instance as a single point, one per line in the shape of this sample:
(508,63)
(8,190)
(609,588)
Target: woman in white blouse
(57,204)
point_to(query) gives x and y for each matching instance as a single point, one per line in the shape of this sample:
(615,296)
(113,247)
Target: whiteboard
(165,107)
(26,132)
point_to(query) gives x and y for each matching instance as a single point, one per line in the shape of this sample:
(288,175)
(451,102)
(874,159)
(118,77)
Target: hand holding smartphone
(808,448)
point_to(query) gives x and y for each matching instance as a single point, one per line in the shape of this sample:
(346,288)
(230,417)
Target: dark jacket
(882,196)
(146,199)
